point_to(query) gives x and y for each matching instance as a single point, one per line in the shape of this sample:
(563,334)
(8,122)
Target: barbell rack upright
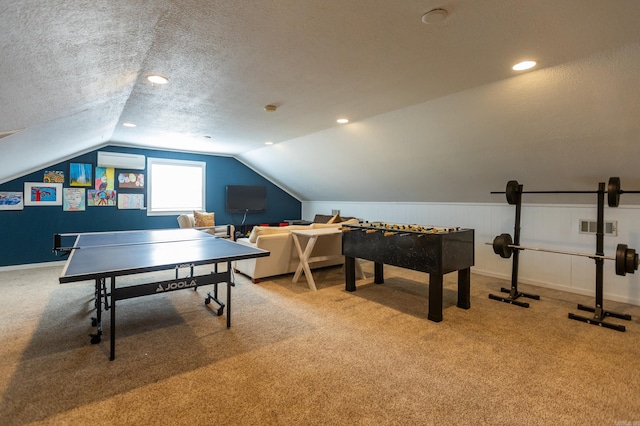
(599,313)
(514,293)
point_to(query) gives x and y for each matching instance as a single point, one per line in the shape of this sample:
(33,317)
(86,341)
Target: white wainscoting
(547,226)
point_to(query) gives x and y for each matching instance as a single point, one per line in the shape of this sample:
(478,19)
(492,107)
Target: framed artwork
(74,200)
(104,178)
(131,180)
(97,197)
(11,201)
(131,201)
(42,194)
(54,176)
(79,174)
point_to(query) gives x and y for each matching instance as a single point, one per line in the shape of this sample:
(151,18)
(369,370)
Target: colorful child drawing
(11,201)
(79,174)
(130,180)
(74,199)
(43,193)
(101,198)
(54,176)
(104,178)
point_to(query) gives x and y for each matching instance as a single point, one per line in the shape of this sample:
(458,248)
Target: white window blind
(175,186)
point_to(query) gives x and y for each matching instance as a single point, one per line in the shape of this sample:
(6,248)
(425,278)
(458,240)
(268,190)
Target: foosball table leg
(378,273)
(350,273)
(464,288)
(435,297)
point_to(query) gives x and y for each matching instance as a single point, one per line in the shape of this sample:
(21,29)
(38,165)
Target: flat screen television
(246,198)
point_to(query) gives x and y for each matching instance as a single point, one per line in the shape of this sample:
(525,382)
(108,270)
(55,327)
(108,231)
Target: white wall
(546,226)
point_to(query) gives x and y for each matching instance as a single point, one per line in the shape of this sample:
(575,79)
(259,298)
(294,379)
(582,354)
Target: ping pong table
(103,256)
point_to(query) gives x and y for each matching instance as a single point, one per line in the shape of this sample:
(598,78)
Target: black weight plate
(631,261)
(513,192)
(498,244)
(613,192)
(621,259)
(501,245)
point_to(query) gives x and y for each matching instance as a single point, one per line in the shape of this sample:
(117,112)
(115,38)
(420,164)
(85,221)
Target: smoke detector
(434,16)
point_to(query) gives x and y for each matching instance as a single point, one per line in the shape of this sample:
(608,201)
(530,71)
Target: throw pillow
(203,219)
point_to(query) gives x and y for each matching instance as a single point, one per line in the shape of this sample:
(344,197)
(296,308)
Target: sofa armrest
(185,221)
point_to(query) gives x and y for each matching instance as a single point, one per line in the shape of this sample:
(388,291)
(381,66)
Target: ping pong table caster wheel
(207,300)
(95,339)
(94,321)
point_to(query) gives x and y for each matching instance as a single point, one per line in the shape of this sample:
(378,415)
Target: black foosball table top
(402,228)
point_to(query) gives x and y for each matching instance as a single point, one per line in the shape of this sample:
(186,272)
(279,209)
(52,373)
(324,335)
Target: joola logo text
(175,285)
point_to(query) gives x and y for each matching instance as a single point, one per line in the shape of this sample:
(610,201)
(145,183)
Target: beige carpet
(296,357)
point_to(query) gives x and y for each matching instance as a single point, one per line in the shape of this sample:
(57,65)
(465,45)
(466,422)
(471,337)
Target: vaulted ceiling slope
(436,112)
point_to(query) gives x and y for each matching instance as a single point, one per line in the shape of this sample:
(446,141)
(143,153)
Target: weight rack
(514,293)
(514,193)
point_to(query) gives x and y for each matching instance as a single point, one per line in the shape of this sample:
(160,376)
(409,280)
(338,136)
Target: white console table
(305,253)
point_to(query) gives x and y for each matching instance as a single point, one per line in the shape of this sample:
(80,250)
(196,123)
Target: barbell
(626,258)
(613,192)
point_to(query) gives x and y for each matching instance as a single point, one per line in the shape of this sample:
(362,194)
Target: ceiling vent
(120,160)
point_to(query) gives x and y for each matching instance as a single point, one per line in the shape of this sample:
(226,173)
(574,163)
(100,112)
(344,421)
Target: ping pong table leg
(229,285)
(112,355)
(97,320)
(221,278)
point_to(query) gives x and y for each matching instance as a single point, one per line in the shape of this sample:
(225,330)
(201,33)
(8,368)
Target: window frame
(151,161)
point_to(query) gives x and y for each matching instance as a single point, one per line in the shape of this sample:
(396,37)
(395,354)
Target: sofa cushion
(203,219)
(327,218)
(322,218)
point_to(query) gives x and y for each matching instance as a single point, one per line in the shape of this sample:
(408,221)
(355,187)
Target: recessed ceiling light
(342,120)
(268,143)
(158,79)
(524,65)
(434,16)
(127,124)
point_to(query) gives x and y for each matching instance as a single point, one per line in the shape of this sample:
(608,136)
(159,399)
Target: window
(175,186)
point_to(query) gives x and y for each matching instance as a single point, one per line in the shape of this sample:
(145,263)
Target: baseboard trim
(32,266)
(582,292)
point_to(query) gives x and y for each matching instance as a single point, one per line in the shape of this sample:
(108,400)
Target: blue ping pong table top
(104,254)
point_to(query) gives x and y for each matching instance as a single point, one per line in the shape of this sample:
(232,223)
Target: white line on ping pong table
(75,247)
(136,244)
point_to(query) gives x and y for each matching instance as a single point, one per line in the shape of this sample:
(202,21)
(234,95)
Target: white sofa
(284,257)
(222,231)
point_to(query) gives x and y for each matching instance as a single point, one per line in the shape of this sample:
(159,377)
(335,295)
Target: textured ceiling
(436,112)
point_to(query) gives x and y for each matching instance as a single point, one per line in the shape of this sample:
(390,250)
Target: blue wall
(26,236)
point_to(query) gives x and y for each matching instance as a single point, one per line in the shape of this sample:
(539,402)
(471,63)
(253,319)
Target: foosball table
(434,250)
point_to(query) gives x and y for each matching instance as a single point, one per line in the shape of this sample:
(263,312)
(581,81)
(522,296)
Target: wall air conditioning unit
(120,160)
